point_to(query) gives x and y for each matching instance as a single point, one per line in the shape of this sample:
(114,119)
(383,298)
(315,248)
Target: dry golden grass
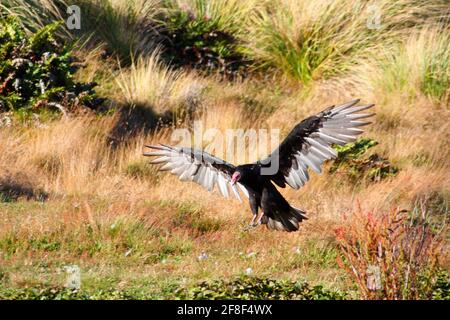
(164,90)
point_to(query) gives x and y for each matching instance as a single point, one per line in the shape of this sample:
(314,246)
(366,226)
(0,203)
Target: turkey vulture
(308,145)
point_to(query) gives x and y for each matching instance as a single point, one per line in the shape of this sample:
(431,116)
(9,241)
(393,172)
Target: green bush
(253,288)
(199,37)
(37,72)
(247,288)
(441,288)
(352,161)
(43,292)
(37,293)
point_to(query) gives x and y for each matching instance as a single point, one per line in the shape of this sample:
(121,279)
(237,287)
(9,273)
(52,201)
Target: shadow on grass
(15,188)
(135,120)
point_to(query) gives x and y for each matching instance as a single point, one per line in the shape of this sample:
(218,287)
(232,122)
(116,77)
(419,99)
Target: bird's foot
(256,221)
(252,225)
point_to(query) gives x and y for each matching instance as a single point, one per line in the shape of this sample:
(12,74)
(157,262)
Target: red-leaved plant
(391,255)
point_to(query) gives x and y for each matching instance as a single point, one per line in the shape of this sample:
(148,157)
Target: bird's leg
(258,217)
(254,206)
(256,221)
(252,224)
(253,220)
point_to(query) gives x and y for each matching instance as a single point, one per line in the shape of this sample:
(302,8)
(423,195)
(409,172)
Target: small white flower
(248,271)
(203,256)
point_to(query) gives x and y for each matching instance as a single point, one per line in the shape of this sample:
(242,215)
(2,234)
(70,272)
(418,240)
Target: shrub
(441,288)
(37,72)
(351,161)
(46,292)
(390,255)
(253,288)
(204,34)
(39,293)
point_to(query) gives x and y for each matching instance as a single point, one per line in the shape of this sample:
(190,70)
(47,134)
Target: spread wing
(198,166)
(308,145)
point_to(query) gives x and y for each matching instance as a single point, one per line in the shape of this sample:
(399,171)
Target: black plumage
(308,145)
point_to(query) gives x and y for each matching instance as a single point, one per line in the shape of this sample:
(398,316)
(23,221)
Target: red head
(235,178)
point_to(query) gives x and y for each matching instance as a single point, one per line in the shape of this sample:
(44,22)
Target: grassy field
(76,190)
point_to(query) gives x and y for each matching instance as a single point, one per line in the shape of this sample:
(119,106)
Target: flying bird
(308,145)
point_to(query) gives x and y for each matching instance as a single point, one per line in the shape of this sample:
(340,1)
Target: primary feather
(195,165)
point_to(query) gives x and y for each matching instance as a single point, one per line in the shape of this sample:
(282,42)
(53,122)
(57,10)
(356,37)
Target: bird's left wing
(198,166)
(308,145)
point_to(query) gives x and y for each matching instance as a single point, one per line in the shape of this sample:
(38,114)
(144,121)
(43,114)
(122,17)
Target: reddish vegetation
(387,253)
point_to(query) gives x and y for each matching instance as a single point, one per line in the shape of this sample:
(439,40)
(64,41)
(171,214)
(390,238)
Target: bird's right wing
(198,166)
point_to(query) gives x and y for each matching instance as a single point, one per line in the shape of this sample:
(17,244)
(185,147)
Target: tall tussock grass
(419,64)
(150,83)
(126,27)
(309,40)
(34,14)
(303,40)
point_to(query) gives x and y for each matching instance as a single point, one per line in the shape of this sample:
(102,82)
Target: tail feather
(285,221)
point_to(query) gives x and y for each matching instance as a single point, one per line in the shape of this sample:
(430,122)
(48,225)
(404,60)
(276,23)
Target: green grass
(35,14)
(118,239)
(191,216)
(316,40)
(418,64)
(142,170)
(126,28)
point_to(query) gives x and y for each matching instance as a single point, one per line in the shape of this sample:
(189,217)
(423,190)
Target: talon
(249,227)
(256,221)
